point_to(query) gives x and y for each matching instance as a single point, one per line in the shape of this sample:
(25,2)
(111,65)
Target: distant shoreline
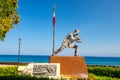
(107,61)
(12,63)
(59,55)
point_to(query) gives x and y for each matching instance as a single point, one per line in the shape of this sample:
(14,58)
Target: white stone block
(41,70)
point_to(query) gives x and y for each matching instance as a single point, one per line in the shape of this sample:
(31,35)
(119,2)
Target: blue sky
(97,20)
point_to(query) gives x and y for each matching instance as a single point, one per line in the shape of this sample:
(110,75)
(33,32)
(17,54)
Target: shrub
(94,77)
(12,70)
(105,71)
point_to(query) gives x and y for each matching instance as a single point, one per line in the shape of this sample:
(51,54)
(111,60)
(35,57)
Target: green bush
(94,77)
(12,70)
(105,71)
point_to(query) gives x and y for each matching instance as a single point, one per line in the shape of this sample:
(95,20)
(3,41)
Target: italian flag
(54,17)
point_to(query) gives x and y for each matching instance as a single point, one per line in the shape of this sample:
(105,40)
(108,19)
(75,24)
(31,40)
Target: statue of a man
(68,42)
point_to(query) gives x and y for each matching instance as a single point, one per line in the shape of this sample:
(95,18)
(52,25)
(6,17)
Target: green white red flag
(54,17)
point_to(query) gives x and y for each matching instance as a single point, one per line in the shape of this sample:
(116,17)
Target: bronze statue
(68,42)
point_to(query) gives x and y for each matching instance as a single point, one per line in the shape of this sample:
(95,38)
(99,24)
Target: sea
(109,61)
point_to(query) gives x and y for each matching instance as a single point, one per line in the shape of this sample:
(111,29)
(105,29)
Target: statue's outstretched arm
(78,39)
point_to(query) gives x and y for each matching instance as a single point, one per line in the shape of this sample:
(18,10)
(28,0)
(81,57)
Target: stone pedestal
(71,65)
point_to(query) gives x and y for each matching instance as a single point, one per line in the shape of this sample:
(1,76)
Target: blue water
(112,61)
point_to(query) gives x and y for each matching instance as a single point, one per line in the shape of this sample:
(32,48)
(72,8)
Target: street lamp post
(19,41)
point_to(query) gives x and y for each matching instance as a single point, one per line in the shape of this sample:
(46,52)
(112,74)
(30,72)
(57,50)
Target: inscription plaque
(44,70)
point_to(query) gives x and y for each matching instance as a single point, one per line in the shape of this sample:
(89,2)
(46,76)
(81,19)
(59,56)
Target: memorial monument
(58,66)
(73,66)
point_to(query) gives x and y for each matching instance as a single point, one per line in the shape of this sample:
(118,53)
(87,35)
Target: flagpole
(53,38)
(54,21)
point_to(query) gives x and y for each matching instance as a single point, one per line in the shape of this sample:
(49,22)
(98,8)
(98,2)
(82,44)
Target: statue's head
(76,32)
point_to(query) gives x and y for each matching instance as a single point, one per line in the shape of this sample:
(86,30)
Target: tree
(8,16)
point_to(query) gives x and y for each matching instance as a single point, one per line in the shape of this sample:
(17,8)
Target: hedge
(94,77)
(105,71)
